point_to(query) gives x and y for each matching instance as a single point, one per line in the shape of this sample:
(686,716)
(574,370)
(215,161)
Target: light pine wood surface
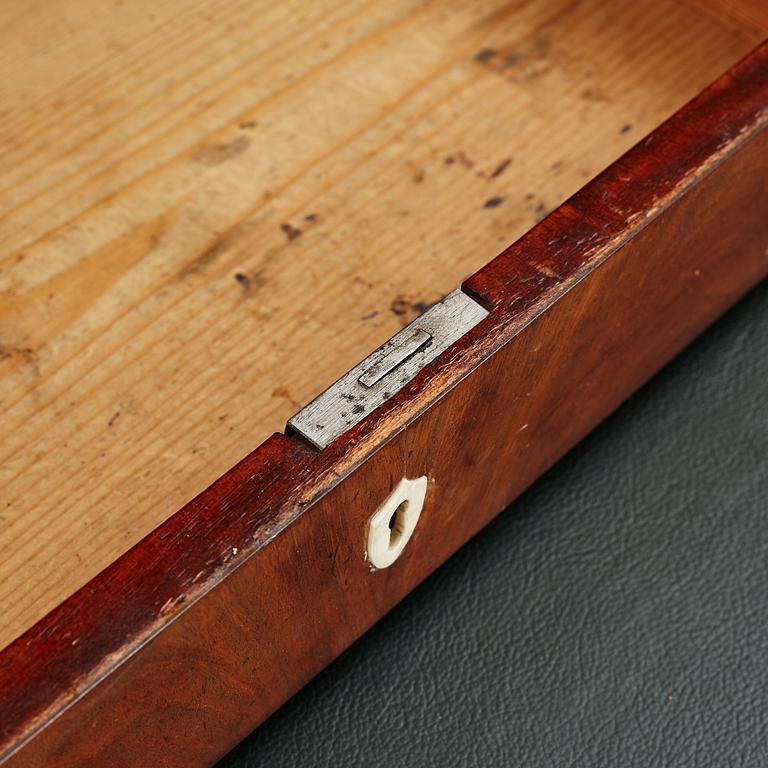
(211,210)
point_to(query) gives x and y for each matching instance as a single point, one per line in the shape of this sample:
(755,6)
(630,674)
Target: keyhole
(392,525)
(397,524)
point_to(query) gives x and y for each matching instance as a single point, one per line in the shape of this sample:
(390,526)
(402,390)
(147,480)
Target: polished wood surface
(210,210)
(186,643)
(742,15)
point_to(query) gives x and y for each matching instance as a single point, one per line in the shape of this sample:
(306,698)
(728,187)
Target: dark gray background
(615,615)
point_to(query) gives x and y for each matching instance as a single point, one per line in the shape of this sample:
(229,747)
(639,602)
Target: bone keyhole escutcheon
(394,521)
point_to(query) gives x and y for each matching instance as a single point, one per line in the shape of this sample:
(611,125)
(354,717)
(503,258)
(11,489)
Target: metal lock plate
(387,370)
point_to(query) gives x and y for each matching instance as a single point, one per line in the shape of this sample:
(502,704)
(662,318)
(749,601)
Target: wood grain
(184,644)
(742,15)
(209,211)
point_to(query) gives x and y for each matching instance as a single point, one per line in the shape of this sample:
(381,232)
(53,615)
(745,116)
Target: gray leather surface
(615,615)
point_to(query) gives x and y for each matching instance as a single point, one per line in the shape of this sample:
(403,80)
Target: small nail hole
(397,524)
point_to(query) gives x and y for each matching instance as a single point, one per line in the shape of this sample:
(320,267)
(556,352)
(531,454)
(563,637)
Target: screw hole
(397,524)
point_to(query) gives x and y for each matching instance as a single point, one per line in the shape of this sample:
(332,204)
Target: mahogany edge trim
(88,636)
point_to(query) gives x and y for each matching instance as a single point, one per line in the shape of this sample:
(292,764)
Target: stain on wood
(290,231)
(221,152)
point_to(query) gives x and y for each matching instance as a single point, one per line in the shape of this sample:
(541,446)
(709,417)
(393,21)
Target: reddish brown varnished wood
(198,633)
